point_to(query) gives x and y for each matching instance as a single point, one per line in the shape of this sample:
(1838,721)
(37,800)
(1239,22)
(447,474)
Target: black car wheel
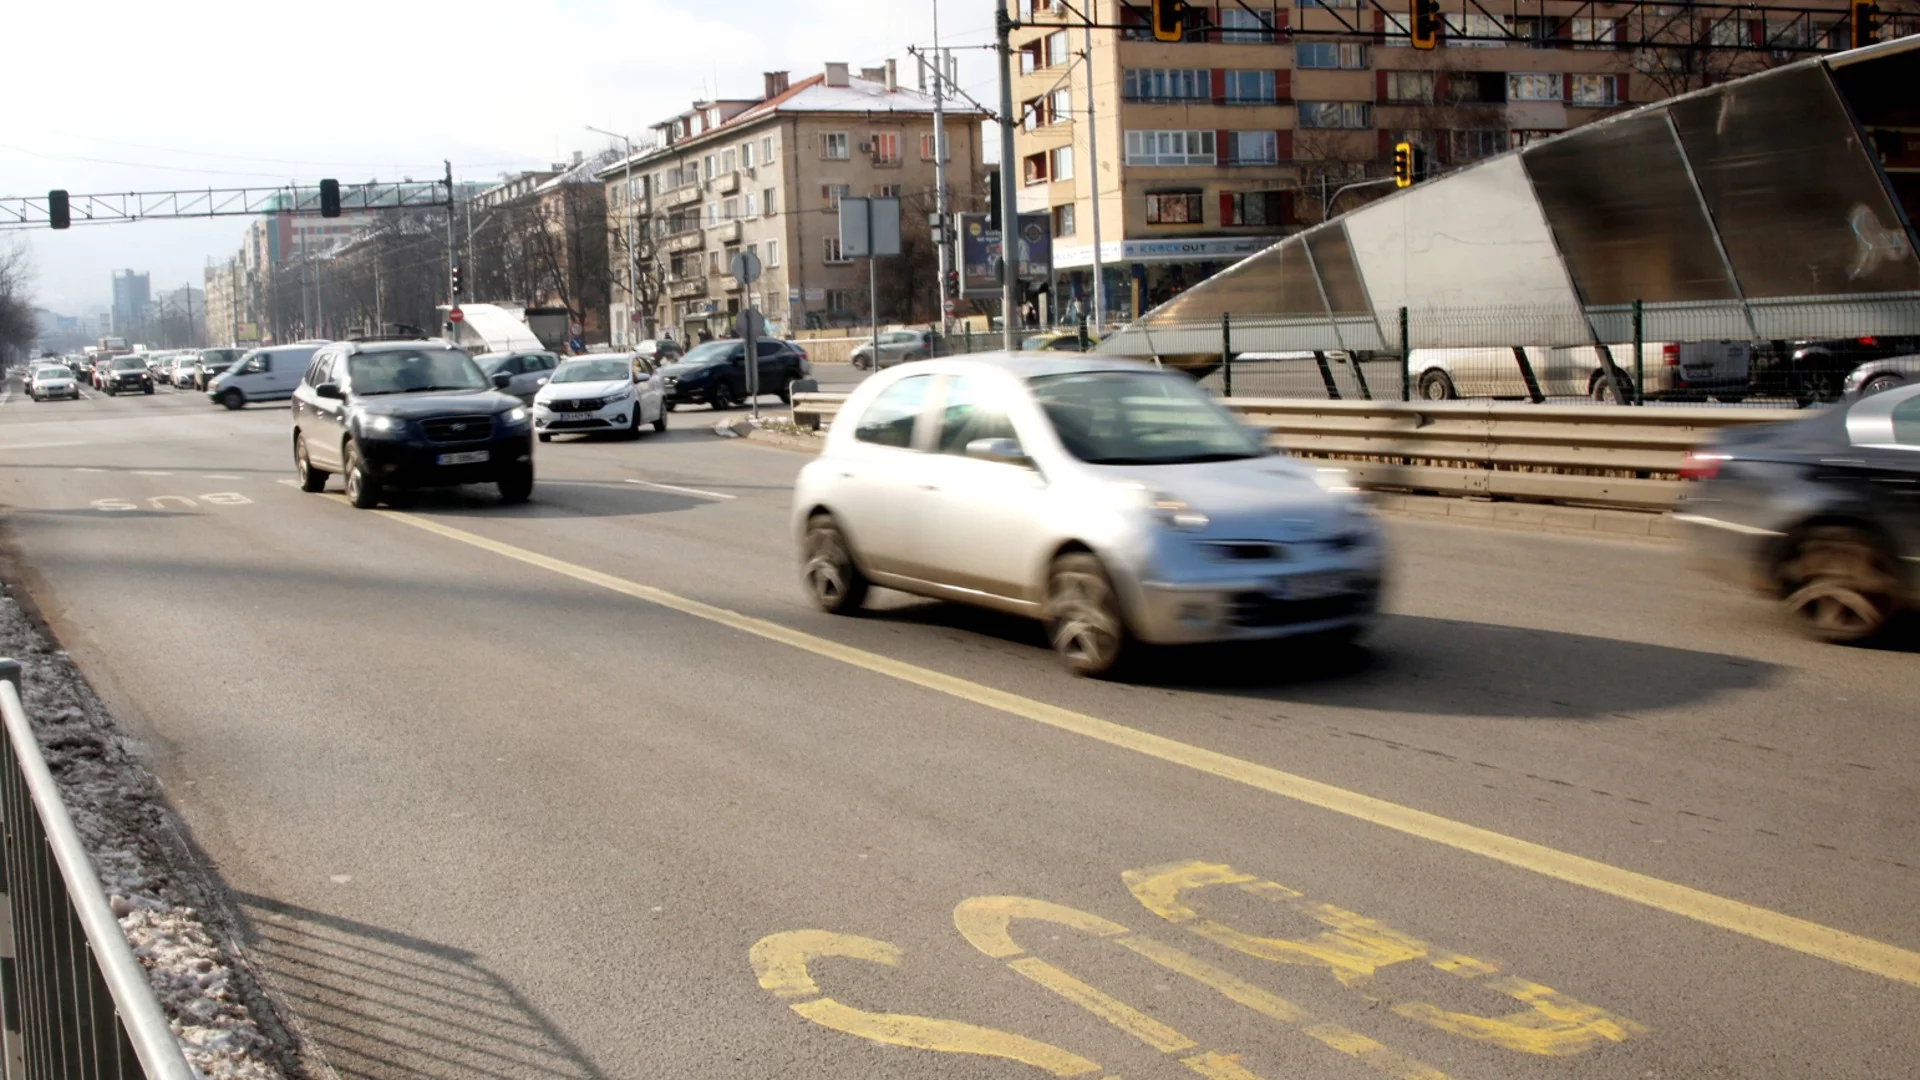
(1879,384)
(111,392)
(363,491)
(722,397)
(660,422)
(233,399)
(1817,386)
(832,578)
(785,390)
(1437,386)
(1604,390)
(633,427)
(311,479)
(1084,620)
(544,437)
(147,389)
(516,485)
(1840,584)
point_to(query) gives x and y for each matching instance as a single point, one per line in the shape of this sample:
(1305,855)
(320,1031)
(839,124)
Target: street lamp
(633,293)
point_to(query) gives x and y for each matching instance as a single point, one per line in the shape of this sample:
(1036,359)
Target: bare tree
(19,328)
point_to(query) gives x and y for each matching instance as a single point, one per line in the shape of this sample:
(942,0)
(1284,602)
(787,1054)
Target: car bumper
(130,385)
(421,464)
(681,394)
(1255,608)
(615,417)
(59,392)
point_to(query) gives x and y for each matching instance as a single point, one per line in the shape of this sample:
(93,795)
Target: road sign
(750,323)
(455,315)
(745,268)
(951,306)
(575,329)
(869,227)
(634,318)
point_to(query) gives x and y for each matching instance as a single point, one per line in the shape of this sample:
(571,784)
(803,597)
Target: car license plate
(471,457)
(571,416)
(1311,586)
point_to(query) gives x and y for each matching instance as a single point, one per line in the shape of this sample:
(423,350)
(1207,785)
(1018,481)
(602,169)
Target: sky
(128,95)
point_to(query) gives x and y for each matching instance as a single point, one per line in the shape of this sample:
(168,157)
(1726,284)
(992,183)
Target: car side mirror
(1003,451)
(502,380)
(330,391)
(541,381)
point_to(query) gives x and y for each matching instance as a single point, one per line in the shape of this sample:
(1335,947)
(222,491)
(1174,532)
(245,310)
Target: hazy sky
(128,95)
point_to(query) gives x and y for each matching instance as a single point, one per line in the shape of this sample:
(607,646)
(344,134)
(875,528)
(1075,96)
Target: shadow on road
(551,499)
(383,1004)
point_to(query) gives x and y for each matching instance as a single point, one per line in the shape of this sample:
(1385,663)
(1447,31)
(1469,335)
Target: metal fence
(75,1003)
(1756,353)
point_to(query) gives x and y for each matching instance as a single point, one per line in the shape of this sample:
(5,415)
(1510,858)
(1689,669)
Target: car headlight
(515,417)
(383,424)
(1172,512)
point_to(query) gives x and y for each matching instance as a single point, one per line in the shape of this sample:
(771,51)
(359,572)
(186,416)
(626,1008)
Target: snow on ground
(116,807)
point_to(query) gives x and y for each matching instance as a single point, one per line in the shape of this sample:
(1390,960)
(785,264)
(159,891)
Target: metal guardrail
(1547,453)
(77,1004)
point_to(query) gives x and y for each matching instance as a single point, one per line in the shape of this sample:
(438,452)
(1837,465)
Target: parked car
(1822,513)
(599,394)
(529,371)
(1721,370)
(50,381)
(214,362)
(268,374)
(1115,501)
(127,375)
(715,373)
(896,347)
(1879,376)
(1059,341)
(408,414)
(1819,371)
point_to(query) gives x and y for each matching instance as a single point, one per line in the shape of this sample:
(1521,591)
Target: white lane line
(150,472)
(222,476)
(682,490)
(289,483)
(85,468)
(38,445)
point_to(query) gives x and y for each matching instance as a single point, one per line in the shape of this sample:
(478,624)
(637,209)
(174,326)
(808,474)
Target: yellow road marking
(1800,935)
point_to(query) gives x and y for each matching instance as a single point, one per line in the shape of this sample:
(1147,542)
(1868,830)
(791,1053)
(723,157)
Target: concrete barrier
(1586,455)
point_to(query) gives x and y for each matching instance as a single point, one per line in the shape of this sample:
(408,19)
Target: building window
(1330,3)
(1033,113)
(752,204)
(887,191)
(710,167)
(1239,25)
(1033,169)
(713,213)
(1062,163)
(1063,220)
(1174,208)
(1731,32)
(886,148)
(729,161)
(746,155)
(766,150)
(766,202)
(929,145)
(841,300)
(1477,88)
(773,253)
(1410,87)
(1593,90)
(1533,86)
(1252,148)
(1250,87)
(1528,138)
(1057,48)
(831,194)
(1336,114)
(1170,147)
(1168,84)
(1475,25)
(730,210)
(1330,56)
(834,146)
(1252,208)
(832,254)
(1060,107)
(1467,146)
(713,262)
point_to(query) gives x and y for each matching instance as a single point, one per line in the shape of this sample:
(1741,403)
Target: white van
(1721,369)
(268,374)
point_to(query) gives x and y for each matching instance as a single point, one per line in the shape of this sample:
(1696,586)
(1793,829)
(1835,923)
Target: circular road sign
(745,268)
(456,315)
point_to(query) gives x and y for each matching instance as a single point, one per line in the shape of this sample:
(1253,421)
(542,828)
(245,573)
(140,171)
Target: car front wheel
(827,569)
(516,486)
(1879,384)
(1437,386)
(1084,620)
(363,491)
(233,399)
(1840,584)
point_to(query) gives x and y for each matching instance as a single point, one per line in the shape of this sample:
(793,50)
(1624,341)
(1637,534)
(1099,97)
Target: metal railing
(76,1004)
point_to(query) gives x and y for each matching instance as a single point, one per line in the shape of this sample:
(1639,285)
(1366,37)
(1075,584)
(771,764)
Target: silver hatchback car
(1117,502)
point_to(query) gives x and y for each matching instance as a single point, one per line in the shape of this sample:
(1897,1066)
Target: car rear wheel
(311,479)
(516,486)
(1437,386)
(363,491)
(1084,620)
(660,422)
(832,578)
(233,399)
(1840,584)
(1879,384)
(785,391)
(722,397)
(1604,390)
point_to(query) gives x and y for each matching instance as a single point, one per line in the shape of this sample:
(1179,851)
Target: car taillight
(1869,342)
(1701,465)
(1670,355)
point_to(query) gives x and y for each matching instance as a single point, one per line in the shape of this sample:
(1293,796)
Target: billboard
(980,253)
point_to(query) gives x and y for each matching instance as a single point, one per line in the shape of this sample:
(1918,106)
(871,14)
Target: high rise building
(132,303)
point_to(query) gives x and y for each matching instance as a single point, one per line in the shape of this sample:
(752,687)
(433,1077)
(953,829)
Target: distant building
(132,300)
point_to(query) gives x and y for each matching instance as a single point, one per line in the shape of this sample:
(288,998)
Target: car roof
(1024,365)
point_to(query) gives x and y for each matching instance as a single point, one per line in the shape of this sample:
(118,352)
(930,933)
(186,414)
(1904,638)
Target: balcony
(730,183)
(686,290)
(685,196)
(727,283)
(692,240)
(727,232)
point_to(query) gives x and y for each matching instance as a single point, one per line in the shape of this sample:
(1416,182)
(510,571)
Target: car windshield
(413,370)
(593,371)
(492,362)
(127,363)
(712,352)
(1141,418)
(899,337)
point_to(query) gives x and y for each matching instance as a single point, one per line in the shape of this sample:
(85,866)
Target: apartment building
(766,175)
(1212,146)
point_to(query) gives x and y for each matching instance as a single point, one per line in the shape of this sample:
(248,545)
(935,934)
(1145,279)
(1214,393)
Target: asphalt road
(583,788)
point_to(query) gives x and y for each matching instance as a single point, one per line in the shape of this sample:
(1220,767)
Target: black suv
(126,374)
(715,373)
(408,414)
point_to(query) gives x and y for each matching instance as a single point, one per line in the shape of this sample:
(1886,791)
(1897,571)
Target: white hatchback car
(599,394)
(1113,500)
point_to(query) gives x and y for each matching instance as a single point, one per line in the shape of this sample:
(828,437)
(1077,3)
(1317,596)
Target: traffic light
(329,198)
(1169,20)
(1402,165)
(1863,23)
(1426,23)
(456,284)
(953,283)
(59,215)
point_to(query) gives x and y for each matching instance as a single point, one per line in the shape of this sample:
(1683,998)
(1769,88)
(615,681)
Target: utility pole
(940,207)
(1093,177)
(1009,198)
(453,255)
(189,314)
(236,301)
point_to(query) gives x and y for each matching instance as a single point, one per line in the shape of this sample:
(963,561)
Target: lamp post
(633,292)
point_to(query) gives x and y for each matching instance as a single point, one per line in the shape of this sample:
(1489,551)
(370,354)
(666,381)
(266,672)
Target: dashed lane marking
(39,445)
(682,490)
(1787,931)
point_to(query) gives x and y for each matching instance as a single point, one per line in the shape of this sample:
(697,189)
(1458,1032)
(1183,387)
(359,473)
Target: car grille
(458,429)
(577,405)
(1252,610)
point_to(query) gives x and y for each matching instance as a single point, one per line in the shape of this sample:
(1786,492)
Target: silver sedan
(1115,501)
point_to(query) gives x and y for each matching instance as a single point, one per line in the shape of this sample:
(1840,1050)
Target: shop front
(1140,275)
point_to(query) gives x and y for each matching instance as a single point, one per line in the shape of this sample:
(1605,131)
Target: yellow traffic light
(1425,23)
(1863,23)
(1169,20)
(1402,164)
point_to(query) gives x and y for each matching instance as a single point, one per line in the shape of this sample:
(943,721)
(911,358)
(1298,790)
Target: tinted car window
(971,411)
(1906,423)
(768,349)
(889,420)
(404,371)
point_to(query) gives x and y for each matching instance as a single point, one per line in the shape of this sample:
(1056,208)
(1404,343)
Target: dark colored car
(1823,513)
(1818,371)
(715,373)
(393,415)
(126,375)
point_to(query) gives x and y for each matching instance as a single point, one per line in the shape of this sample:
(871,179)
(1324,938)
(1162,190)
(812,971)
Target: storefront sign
(1195,250)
